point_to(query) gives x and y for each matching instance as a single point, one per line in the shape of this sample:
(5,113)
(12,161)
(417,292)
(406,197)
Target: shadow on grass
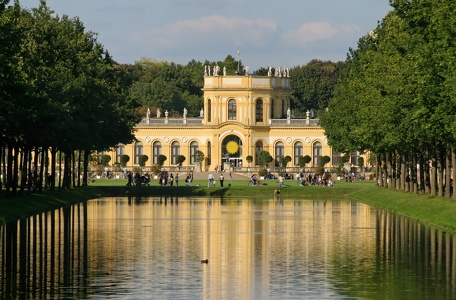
(145,191)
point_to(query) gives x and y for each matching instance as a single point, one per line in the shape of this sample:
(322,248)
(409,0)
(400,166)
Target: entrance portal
(231,152)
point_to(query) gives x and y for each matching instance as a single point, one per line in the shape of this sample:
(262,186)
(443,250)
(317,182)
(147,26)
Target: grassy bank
(28,205)
(436,211)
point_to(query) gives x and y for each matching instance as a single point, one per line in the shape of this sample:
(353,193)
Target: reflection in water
(145,248)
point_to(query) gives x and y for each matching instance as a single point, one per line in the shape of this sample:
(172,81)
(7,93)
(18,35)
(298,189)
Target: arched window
(175,152)
(209,110)
(138,152)
(193,149)
(298,152)
(120,150)
(157,151)
(316,153)
(258,149)
(279,152)
(259,110)
(232,109)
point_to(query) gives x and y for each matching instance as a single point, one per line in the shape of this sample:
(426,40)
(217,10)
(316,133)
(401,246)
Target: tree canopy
(397,97)
(59,92)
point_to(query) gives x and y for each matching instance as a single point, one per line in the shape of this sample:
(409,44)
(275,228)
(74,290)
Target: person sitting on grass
(254,179)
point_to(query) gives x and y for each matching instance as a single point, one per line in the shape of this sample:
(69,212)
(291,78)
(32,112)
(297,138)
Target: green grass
(437,211)
(238,188)
(433,210)
(28,205)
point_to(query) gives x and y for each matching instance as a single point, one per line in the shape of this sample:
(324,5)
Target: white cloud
(318,31)
(208,29)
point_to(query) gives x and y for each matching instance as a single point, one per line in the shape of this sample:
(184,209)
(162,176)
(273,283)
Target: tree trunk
(42,167)
(379,179)
(448,172)
(427,178)
(66,171)
(433,173)
(388,170)
(86,167)
(53,170)
(79,167)
(393,166)
(15,180)
(404,173)
(60,170)
(414,172)
(9,171)
(440,167)
(453,164)
(73,168)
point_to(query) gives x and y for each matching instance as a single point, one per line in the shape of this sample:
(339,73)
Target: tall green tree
(313,85)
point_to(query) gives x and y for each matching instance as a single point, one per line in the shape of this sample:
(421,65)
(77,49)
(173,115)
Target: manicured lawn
(238,188)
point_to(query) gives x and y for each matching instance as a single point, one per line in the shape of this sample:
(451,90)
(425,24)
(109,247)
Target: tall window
(138,151)
(193,149)
(100,156)
(279,151)
(175,152)
(209,153)
(336,158)
(272,108)
(284,109)
(157,151)
(298,151)
(354,158)
(258,149)
(209,111)
(232,109)
(120,150)
(259,110)
(316,153)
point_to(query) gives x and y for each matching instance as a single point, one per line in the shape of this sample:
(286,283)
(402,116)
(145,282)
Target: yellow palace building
(242,115)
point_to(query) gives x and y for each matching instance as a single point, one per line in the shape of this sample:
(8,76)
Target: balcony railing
(199,122)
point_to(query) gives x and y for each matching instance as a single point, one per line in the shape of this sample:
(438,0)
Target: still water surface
(152,248)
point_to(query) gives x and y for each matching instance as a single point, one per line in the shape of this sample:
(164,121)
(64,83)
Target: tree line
(60,93)
(63,96)
(396,98)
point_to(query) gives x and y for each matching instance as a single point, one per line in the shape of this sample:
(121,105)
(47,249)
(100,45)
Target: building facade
(242,116)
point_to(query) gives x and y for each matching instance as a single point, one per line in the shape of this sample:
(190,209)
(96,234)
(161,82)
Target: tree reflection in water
(258,248)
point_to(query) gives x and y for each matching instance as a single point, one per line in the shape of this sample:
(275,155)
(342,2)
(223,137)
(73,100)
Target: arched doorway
(231,152)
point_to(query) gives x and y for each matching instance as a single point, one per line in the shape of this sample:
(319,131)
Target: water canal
(152,248)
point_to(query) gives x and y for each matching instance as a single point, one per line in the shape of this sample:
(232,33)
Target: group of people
(137,179)
(211,181)
(313,179)
(165,179)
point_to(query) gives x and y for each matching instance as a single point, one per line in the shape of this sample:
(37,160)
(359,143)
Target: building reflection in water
(256,248)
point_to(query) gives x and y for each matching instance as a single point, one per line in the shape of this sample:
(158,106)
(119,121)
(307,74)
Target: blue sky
(283,33)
